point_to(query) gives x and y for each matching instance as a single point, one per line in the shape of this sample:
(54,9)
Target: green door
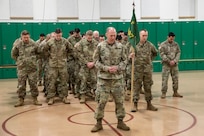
(9,73)
(140,26)
(198,42)
(1,74)
(123,26)
(8,36)
(51,27)
(187,37)
(1,47)
(83,26)
(66,28)
(99,26)
(162,32)
(39,28)
(200,65)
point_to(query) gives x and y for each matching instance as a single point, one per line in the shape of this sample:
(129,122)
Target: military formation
(93,66)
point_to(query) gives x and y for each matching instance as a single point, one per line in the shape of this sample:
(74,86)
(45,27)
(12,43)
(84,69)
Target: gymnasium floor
(175,117)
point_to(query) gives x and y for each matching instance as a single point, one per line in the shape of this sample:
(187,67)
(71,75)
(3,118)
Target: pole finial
(133,4)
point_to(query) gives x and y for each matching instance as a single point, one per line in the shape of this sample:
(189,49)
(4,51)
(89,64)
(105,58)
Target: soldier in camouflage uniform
(59,48)
(101,38)
(110,60)
(24,53)
(14,44)
(119,40)
(170,55)
(127,74)
(45,56)
(73,64)
(40,61)
(87,73)
(129,66)
(96,35)
(144,54)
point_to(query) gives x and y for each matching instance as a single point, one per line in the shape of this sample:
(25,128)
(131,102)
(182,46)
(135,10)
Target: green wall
(188,35)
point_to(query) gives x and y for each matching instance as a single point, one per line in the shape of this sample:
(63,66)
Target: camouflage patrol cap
(77,30)
(71,32)
(42,34)
(89,32)
(58,30)
(171,34)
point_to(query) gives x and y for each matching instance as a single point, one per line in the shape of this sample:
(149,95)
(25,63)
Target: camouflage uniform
(110,55)
(71,72)
(88,76)
(74,66)
(26,61)
(45,56)
(16,42)
(144,54)
(168,52)
(128,67)
(39,64)
(58,52)
(126,75)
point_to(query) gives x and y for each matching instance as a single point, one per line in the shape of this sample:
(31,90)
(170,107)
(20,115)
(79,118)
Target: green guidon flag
(133,33)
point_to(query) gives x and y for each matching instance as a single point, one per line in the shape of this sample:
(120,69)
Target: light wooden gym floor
(175,116)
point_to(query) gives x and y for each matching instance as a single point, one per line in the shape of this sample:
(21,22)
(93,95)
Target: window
(186,9)
(67,9)
(150,9)
(110,9)
(21,9)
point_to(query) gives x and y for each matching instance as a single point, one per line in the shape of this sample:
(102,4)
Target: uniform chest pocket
(118,51)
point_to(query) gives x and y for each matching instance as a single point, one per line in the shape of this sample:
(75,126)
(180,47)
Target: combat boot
(163,96)
(51,101)
(82,99)
(150,106)
(36,102)
(65,100)
(98,126)
(20,102)
(134,108)
(121,125)
(176,94)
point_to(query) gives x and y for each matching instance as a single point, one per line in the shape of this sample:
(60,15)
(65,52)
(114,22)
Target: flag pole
(133,36)
(132,79)
(132,72)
